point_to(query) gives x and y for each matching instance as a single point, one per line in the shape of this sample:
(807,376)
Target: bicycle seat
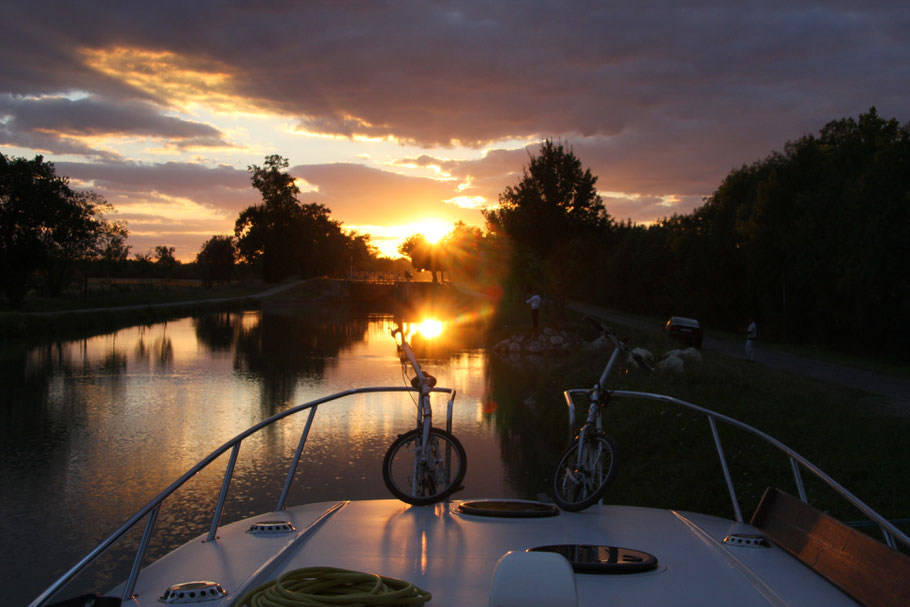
(431,381)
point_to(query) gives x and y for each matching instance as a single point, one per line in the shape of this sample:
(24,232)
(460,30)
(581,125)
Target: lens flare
(430,328)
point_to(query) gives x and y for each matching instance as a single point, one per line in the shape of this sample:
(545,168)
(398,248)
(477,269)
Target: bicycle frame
(424,410)
(425,384)
(596,403)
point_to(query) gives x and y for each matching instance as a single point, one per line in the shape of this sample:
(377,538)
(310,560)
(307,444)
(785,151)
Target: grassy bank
(667,454)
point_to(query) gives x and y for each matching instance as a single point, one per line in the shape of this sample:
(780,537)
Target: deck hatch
(586,558)
(508,508)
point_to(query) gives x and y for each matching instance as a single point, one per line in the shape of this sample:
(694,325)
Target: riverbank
(62,316)
(66,316)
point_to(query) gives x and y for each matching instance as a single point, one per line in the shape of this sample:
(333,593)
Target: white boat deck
(454,555)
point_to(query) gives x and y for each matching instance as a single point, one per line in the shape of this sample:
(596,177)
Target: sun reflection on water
(430,328)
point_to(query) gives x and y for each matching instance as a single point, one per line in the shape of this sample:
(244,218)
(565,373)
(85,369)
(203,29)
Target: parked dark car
(687,330)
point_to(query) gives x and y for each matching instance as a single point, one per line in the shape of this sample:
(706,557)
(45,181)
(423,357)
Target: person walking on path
(534,302)
(751,336)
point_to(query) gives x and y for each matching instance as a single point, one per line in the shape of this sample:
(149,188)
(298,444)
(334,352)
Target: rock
(502,346)
(548,340)
(597,344)
(641,352)
(671,364)
(535,346)
(691,354)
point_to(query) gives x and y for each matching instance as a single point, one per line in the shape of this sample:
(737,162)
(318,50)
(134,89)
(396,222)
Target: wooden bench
(867,570)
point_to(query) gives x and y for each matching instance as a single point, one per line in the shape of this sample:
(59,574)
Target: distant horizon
(417,114)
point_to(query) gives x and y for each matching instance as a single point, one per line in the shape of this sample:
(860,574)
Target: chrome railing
(151,509)
(889,531)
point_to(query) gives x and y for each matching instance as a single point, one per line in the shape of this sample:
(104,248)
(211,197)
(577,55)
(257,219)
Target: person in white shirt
(534,302)
(751,336)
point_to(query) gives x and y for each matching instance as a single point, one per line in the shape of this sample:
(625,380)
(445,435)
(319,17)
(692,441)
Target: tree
(46,228)
(282,237)
(812,240)
(113,247)
(267,233)
(165,260)
(423,254)
(216,260)
(475,260)
(144,263)
(555,201)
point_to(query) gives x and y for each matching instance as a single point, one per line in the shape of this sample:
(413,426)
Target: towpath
(895,389)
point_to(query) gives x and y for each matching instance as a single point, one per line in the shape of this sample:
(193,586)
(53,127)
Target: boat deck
(454,555)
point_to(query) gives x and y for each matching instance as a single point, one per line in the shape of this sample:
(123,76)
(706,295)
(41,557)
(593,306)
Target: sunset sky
(394,114)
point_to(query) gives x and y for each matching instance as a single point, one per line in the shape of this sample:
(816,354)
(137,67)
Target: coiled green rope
(328,586)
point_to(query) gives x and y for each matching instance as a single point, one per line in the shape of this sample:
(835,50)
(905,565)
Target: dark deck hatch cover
(508,508)
(602,559)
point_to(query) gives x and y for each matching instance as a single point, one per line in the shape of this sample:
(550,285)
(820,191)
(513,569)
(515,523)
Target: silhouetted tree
(555,201)
(165,260)
(143,263)
(266,233)
(45,226)
(282,237)
(550,216)
(114,250)
(424,255)
(475,259)
(216,259)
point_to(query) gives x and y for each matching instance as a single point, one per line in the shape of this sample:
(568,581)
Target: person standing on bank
(534,302)
(751,336)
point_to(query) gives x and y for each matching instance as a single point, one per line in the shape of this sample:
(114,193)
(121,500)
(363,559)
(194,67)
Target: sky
(405,117)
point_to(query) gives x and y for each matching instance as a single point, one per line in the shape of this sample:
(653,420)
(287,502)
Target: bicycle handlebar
(607,330)
(610,333)
(422,377)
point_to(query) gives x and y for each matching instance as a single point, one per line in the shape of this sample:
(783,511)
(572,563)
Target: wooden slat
(867,570)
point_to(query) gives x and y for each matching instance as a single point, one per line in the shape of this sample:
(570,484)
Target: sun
(433,230)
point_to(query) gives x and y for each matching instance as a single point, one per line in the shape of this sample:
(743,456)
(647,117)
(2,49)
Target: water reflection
(292,345)
(93,428)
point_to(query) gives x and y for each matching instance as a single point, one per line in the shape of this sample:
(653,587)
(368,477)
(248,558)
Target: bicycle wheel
(578,484)
(424,480)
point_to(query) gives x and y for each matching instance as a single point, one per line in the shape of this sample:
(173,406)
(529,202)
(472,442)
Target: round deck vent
(193,592)
(508,508)
(271,527)
(602,559)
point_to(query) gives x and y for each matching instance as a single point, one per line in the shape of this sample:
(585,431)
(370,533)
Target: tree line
(52,234)
(812,241)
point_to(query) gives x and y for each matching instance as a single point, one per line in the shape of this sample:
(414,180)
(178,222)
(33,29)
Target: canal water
(93,428)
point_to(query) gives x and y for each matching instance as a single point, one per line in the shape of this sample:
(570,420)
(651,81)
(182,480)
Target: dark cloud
(51,143)
(660,99)
(55,121)
(478,71)
(222,188)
